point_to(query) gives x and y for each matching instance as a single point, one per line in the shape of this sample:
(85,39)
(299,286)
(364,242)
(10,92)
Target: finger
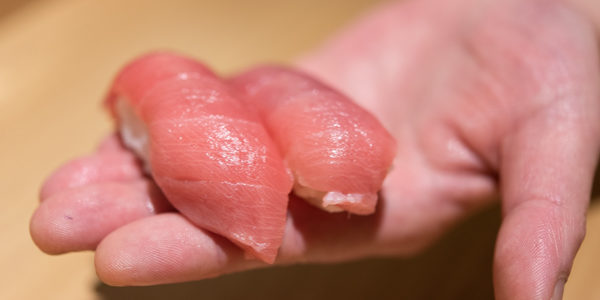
(168,248)
(546,177)
(79,218)
(163,249)
(111,163)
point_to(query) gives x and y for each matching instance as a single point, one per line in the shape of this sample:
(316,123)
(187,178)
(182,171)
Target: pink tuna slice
(338,152)
(212,157)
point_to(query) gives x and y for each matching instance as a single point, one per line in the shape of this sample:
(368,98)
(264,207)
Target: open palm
(482,96)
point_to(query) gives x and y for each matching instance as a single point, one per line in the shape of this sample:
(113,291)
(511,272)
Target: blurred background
(57,58)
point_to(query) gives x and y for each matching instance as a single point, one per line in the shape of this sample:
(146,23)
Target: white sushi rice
(133,131)
(315,197)
(327,200)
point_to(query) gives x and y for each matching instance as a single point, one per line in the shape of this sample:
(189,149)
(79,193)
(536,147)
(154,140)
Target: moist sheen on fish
(212,158)
(338,152)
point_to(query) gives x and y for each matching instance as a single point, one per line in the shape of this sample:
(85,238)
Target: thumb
(546,177)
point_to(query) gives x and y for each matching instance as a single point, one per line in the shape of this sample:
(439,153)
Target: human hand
(473,93)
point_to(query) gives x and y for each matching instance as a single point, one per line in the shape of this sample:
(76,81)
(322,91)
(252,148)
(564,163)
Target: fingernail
(559,289)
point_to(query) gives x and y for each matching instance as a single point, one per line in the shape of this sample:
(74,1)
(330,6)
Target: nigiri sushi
(338,152)
(212,158)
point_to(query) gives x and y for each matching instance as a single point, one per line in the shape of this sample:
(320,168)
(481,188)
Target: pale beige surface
(56,60)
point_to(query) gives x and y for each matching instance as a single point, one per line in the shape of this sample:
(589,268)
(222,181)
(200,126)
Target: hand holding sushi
(197,180)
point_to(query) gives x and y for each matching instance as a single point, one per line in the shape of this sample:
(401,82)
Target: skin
(485,99)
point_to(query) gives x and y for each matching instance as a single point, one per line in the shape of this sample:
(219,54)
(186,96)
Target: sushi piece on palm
(338,152)
(209,154)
